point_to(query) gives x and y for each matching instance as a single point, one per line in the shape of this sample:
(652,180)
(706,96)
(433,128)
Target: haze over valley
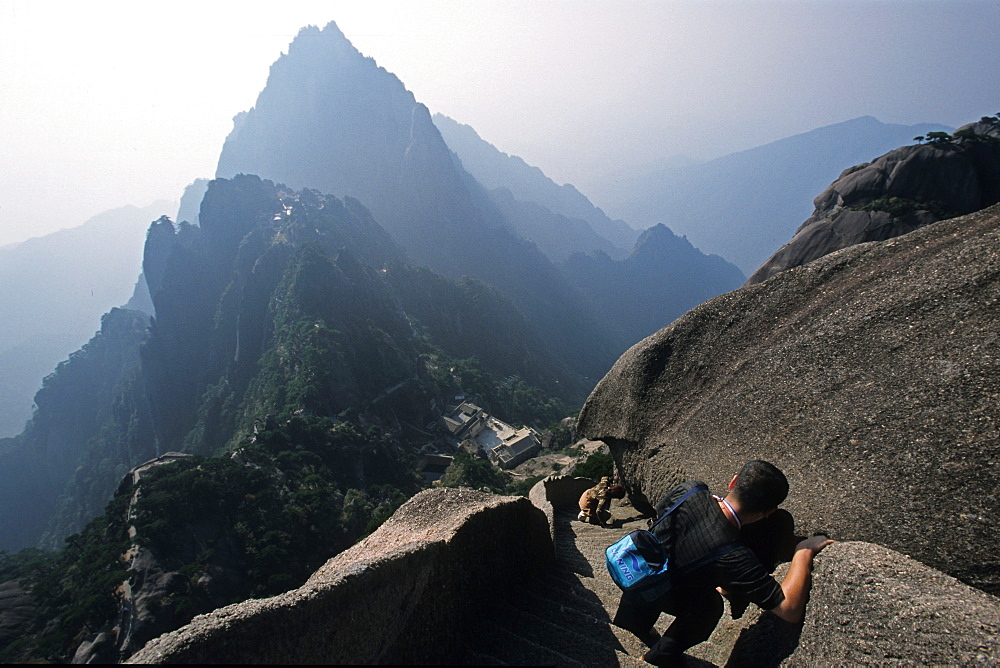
(392,251)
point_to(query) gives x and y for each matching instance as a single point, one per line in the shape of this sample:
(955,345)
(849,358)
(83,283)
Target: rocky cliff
(871,376)
(904,189)
(470,580)
(330,118)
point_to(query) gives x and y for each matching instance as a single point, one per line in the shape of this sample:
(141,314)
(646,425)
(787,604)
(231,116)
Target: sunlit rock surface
(870,376)
(897,193)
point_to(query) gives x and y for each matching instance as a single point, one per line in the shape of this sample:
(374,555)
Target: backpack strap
(717,553)
(696,488)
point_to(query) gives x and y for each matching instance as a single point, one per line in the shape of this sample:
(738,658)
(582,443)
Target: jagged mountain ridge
(230,341)
(56,288)
(497,170)
(331,118)
(744,205)
(368,286)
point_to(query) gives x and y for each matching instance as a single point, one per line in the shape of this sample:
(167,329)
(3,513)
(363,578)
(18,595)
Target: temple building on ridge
(504,445)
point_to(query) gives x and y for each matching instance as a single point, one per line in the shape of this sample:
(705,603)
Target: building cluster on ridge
(504,445)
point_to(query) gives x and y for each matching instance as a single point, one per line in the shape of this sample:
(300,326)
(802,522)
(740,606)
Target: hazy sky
(104,104)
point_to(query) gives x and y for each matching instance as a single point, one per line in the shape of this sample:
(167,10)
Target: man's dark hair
(760,486)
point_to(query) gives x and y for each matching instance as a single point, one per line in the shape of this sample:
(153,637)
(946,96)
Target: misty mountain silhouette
(56,287)
(744,205)
(332,119)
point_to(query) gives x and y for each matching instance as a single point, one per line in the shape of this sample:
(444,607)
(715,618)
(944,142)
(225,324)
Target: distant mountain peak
(744,205)
(496,169)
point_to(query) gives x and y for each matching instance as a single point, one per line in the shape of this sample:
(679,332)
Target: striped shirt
(698,527)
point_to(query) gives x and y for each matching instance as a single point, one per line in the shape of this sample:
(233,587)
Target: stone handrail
(399,596)
(561,492)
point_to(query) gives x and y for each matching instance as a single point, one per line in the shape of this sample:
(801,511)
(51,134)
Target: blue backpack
(638,563)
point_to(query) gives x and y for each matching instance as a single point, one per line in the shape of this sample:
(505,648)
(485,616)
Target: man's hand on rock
(815,544)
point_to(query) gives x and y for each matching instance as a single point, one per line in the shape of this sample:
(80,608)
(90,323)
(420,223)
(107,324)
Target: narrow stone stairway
(564,617)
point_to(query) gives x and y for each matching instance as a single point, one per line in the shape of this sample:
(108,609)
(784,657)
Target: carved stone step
(497,640)
(589,643)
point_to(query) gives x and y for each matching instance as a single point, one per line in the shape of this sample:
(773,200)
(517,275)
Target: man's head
(759,486)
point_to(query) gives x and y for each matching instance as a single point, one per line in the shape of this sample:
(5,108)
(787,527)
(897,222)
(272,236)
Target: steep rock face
(663,277)
(904,189)
(870,376)
(872,606)
(330,118)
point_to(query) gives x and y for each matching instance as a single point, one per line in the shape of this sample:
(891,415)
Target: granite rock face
(870,376)
(897,193)
(403,595)
(872,606)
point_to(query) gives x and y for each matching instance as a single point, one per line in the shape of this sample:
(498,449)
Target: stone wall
(562,492)
(402,595)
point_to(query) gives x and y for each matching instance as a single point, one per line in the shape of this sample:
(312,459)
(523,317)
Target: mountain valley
(272,393)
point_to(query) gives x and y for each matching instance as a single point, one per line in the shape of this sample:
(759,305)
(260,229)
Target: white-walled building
(503,444)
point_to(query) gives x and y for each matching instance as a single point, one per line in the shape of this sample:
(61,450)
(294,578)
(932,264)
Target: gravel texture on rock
(870,376)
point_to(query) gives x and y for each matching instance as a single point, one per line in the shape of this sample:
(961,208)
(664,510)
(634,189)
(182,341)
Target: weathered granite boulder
(872,606)
(870,376)
(403,595)
(897,193)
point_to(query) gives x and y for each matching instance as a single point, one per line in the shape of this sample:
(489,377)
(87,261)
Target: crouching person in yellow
(594,502)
